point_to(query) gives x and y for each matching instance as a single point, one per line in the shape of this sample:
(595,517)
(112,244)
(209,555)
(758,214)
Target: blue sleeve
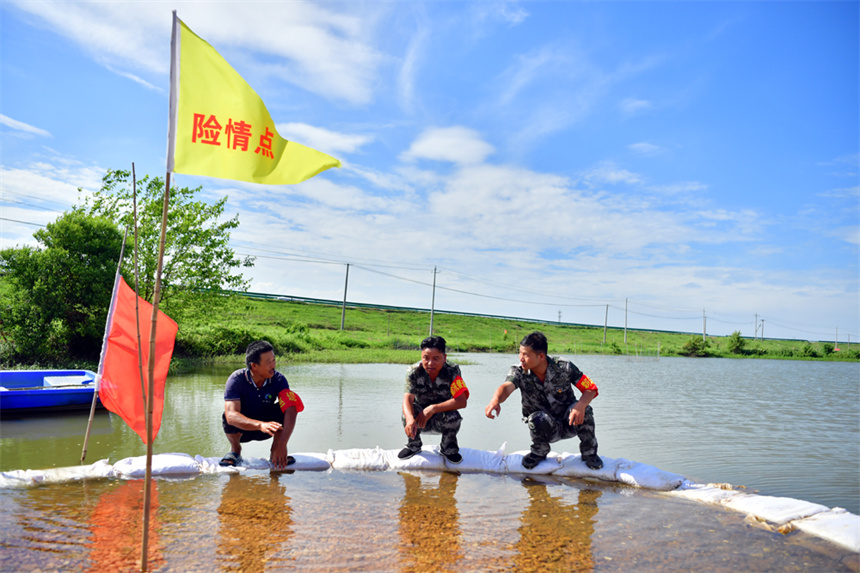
(280,382)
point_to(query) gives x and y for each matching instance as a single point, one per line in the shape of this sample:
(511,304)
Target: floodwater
(778,428)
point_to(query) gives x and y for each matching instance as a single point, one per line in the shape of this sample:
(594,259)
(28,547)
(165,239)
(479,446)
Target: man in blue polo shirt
(258,405)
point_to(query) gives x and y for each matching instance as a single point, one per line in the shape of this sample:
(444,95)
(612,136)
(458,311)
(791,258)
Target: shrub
(695,347)
(808,351)
(736,343)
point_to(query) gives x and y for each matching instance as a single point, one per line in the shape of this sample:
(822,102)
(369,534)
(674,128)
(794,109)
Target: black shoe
(593,461)
(407,453)
(531,459)
(454,458)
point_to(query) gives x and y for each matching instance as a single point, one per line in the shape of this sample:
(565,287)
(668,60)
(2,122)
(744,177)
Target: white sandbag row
(783,514)
(565,465)
(28,478)
(163,465)
(178,465)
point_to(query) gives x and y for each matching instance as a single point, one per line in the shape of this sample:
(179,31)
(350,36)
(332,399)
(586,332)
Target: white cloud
(324,51)
(608,172)
(409,69)
(645,148)
(322,139)
(455,144)
(633,106)
(23,127)
(507,12)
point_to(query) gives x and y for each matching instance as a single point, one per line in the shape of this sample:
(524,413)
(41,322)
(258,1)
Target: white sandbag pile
(783,514)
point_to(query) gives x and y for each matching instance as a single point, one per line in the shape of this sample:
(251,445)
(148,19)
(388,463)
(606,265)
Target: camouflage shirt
(555,394)
(448,384)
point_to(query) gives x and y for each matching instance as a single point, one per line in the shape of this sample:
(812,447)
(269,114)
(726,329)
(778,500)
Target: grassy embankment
(311,333)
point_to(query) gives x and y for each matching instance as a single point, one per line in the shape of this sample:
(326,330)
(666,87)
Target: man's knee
(445,422)
(542,426)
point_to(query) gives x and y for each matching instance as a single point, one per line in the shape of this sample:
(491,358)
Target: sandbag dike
(775,513)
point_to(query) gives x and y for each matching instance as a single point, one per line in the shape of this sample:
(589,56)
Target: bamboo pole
(137,289)
(151,387)
(104,345)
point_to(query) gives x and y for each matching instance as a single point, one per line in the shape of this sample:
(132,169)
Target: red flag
(120,389)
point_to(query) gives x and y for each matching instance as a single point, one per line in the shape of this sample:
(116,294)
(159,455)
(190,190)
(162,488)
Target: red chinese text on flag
(120,388)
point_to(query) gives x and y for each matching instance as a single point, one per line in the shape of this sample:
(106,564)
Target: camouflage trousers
(546,429)
(445,423)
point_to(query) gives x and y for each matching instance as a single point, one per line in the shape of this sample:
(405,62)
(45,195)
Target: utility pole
(605,322)
(755,334)
(559,317)
(762,330)
(625,321)
(343,308)
(433,302)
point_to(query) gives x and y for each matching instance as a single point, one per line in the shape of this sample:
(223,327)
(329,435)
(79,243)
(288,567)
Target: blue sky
(670,158)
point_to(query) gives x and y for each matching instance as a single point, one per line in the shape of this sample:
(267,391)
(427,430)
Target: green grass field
(305,332)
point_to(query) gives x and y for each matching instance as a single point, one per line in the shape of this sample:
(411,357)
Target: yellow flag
(219,126)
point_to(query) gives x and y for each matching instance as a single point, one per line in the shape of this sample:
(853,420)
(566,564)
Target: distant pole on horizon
(625,321)
(343,309)
(704,326)
(755,333)
(762,330)
(605,321)
(433,301)
(559,317)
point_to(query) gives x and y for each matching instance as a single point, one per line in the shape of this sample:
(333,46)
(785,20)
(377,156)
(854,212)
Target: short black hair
(436,342)
(536,341)
(255,349)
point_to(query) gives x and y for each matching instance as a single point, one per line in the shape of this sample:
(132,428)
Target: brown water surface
(387,521)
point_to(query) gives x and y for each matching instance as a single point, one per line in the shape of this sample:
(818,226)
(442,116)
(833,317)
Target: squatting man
(434,392)
(258,405)
(549,404)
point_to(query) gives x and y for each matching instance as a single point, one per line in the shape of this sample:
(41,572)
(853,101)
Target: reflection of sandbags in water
(255,523)
(430,524)
(554,535)
(117,526)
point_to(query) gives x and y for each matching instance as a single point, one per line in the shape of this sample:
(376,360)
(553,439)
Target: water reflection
(255,522)
(430,525)
(116,524)
(555,535)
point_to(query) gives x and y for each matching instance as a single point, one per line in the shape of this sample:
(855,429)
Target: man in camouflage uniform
(550,407)
(434,392)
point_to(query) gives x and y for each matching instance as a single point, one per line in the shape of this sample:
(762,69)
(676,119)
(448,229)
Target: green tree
(197,256)
(59,292)
(736,343)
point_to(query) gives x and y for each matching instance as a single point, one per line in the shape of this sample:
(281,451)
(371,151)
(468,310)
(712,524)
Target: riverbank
(305,332)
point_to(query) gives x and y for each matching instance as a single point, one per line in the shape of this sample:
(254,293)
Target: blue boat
(42,391)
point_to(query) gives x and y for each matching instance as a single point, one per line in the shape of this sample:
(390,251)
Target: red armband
(458,387)
(288,398)
(585,383)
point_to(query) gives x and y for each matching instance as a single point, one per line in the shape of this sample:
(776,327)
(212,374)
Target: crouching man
(550,407)
(258,405)
(434,392)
